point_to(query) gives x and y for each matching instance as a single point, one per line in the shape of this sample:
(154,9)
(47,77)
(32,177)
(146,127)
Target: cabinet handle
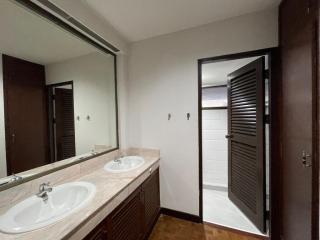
(150,170)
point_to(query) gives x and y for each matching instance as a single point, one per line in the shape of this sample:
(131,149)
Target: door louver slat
(246,87)
(248,107)
(244,97)
(244,100)
(243,89)
(244,78)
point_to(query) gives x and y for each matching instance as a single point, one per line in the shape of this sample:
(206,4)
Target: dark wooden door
(297,42)
(246,167)
(25,114)
(64,123)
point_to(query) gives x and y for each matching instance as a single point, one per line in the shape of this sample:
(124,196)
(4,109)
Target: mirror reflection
(57,93)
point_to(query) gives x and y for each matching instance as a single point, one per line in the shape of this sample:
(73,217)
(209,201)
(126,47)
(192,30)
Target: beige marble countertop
(112,189)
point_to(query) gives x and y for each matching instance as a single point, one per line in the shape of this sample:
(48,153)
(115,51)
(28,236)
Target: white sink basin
(34,213)
(124,164)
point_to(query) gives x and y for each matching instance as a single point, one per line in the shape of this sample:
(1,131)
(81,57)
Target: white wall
(163,79)
(82,13)
(93,83)
(3,161)
(122,87)
(215,147)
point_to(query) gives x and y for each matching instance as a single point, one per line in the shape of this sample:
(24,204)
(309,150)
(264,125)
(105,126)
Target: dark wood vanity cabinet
(126,222)
(99,233)
(134,218)
(151,200)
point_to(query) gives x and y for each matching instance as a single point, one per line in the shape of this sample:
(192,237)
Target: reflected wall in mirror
(57,93)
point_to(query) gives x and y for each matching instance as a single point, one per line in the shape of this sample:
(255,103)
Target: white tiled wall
(215,147)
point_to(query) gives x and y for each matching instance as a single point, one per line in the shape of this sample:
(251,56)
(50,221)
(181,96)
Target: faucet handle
(15,177)
(45,187)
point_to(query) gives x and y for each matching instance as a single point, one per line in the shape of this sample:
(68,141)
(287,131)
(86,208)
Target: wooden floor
(169,228)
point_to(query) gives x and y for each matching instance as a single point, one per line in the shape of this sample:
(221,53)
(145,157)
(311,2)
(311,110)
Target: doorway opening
(234,141)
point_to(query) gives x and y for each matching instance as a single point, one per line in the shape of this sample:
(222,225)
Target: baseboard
(181,215)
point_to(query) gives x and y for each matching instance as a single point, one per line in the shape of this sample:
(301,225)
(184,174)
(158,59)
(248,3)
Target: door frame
(52,139)
(274,125)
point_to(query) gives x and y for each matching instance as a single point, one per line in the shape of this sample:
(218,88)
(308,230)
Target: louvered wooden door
(246,166)
(65,130)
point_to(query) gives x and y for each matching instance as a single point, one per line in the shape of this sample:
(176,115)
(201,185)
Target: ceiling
(27,36)
(141,19)
(215,74)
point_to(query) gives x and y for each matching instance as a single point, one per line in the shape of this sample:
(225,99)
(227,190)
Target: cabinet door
(125,223)
(151,199)
(99,233)
(299,138)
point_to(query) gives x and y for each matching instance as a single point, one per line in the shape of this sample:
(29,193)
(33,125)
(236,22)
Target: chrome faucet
(118,160)
(44,189)
(11,179)
(15,178)
(93,153)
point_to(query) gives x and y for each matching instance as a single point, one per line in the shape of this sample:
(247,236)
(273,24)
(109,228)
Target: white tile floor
(218,209)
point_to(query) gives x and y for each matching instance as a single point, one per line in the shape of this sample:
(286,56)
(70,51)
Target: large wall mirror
(57,94)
